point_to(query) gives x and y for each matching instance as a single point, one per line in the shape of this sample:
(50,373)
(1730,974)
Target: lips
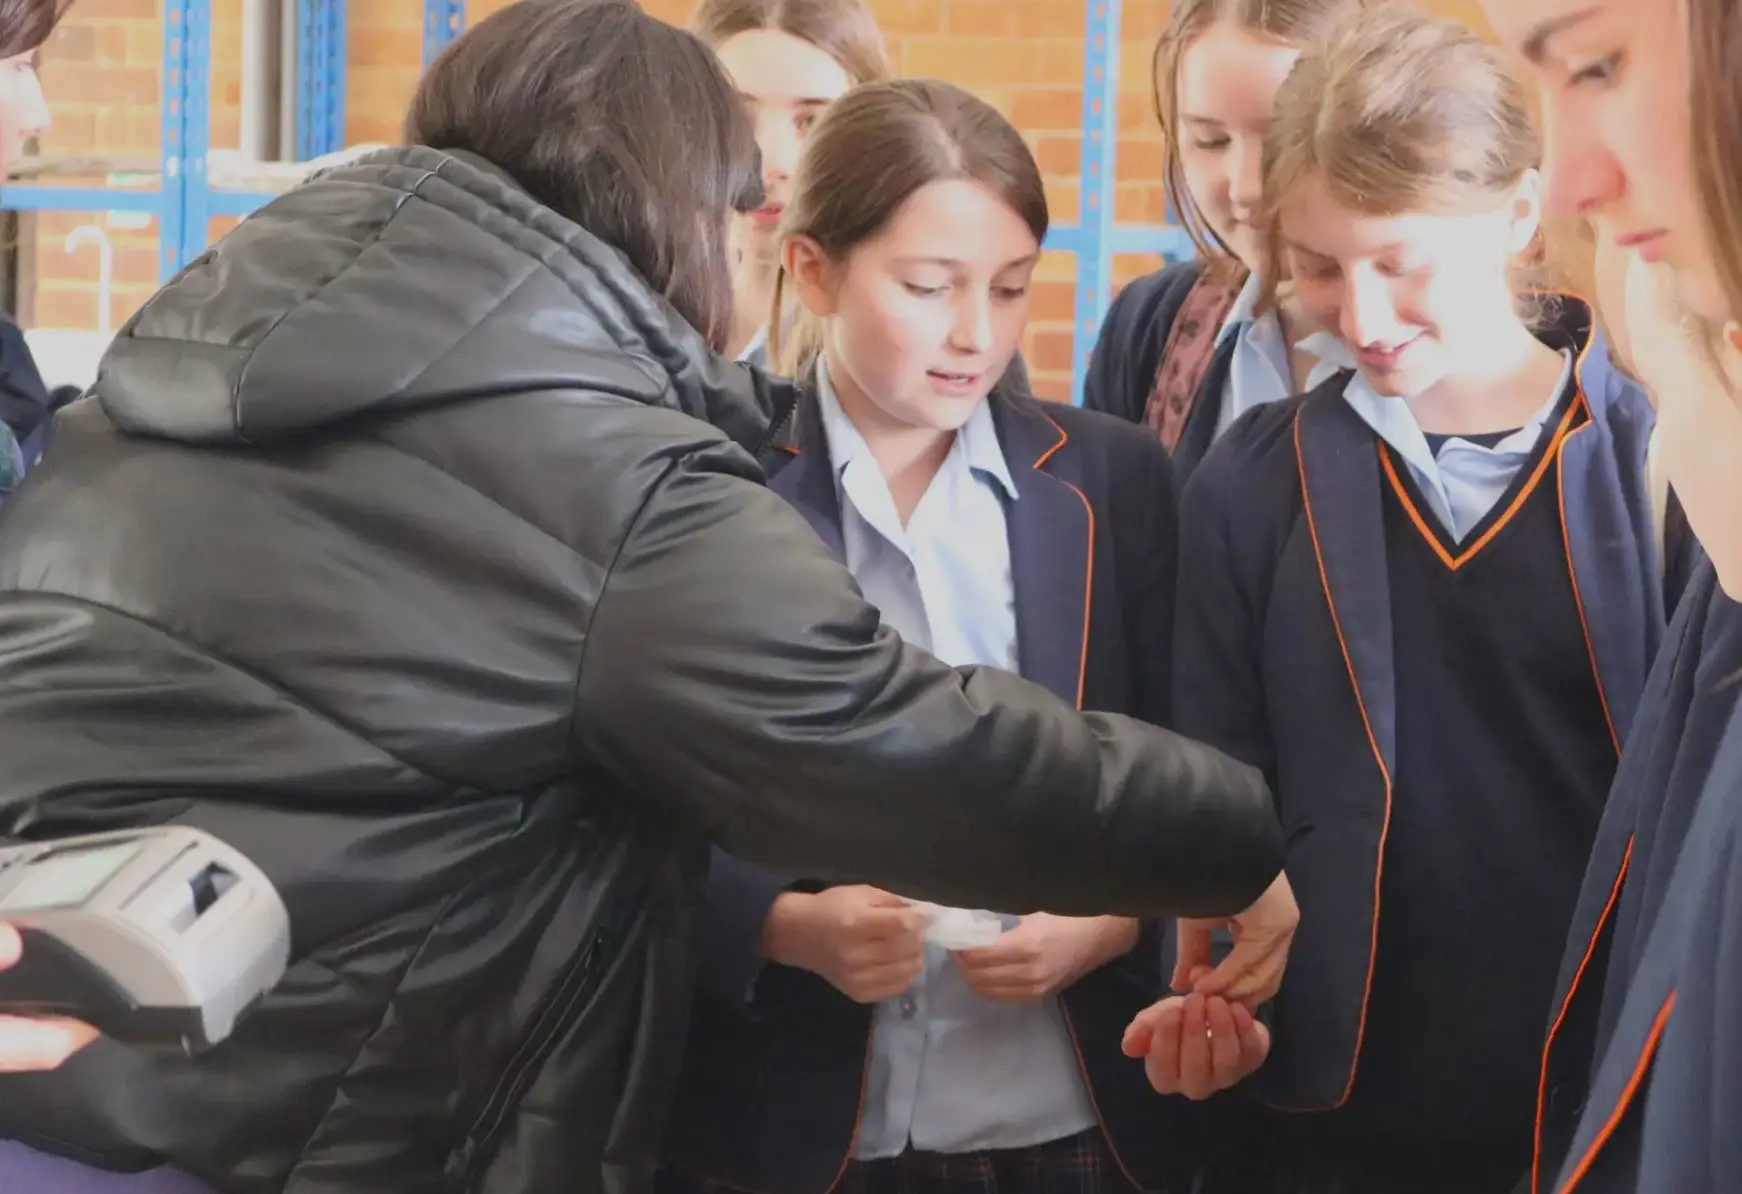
(955,385)
(1384,356)
(1649,245)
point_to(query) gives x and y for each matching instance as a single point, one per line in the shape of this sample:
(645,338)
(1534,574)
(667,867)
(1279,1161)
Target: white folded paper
(960,928)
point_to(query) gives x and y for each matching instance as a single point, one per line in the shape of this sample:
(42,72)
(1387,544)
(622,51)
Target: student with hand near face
(1640,1073)
(1423,598)
(833,1046)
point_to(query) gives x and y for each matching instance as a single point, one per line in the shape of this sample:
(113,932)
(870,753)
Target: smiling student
(830,1042)
(1641,1068)
(1423,598)
(789,59)
(1187,349)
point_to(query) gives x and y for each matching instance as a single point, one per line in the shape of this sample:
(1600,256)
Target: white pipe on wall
(287,37)
(262,75)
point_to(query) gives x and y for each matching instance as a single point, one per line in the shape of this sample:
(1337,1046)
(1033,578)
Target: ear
(1526,211)
(813,276)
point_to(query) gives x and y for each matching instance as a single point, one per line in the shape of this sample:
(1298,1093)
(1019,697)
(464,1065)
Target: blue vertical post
(171,216)
(1099,160)
(442,22)
(196,130)
(320,77)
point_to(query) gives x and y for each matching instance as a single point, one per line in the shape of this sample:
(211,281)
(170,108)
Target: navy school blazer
(1294,597)
(1128,353)
(774,1071)
(1642,1067)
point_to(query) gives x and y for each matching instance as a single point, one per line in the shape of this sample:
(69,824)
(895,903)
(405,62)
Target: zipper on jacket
(778,424)
(579,979)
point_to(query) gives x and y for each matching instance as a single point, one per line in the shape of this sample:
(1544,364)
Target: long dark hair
(26,24)
(624,124)
(1715,107)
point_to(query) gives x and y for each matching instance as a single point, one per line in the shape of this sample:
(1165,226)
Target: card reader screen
(66,880)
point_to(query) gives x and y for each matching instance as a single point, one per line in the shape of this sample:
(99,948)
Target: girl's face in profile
(787,82)
(1228,81)
(1612,79)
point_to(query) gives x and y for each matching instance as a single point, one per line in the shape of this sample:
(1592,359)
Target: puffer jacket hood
(415,278)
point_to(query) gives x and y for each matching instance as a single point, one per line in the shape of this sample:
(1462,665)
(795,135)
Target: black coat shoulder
(1132,336)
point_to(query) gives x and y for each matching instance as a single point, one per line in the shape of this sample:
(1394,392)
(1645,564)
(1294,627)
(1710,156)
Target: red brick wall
(1025,56)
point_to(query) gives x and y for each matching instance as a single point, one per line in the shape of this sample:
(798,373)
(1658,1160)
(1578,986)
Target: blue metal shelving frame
(184,202)
(1095,238)
(442,22)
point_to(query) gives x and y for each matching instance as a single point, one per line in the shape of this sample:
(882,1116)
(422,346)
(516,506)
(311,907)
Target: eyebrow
(1535,47)
(1188,118)
(957,263)
(1307,249)
(800,101)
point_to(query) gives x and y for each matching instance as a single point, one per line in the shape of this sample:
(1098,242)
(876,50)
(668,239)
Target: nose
(972,332)
(1246,182)
(1368,315)
(1581,176)
(779,141)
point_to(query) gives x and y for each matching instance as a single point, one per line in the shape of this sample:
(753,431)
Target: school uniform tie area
(870,597)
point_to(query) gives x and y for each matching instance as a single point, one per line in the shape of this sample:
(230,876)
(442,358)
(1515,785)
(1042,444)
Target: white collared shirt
(1260,372)
(1465,480)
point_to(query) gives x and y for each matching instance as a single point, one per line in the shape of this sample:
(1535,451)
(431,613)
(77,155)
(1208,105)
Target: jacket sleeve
(1117,357)
(1152,637)
(734,908)
(1128,350)
(734,671)
(1218,693)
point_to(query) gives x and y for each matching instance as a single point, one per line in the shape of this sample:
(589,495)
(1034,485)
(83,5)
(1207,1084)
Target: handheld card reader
(158,938)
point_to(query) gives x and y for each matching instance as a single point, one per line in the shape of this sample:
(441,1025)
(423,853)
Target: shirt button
(909,1007)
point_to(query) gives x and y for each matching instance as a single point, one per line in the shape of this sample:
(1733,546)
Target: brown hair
(1397,111)
(872,149)
(620,122)
(845,30)
(1714,35)
(1288,22)
(26,24)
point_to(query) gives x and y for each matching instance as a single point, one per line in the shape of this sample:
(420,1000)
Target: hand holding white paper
(960,928)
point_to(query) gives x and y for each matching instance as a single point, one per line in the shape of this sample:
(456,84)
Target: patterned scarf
(1185,358)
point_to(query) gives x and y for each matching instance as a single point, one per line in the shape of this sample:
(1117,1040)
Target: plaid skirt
(1080,1164)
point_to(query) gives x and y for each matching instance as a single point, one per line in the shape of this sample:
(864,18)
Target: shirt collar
(758,345)
(1390,416)
(977,441)
(1244,310)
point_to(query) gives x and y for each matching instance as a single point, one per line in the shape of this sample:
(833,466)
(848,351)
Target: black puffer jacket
(413,546)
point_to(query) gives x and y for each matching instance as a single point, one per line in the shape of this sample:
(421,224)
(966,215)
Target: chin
(1248,246)
(1700,292)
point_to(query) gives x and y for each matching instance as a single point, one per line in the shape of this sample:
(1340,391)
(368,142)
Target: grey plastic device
(159,938)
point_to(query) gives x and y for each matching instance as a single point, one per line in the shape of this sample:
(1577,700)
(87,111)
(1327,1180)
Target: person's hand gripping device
(158,938)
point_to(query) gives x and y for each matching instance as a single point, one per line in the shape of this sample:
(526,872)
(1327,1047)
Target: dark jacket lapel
(1611,542)
(1340,483)
(799,470)
(1051,529)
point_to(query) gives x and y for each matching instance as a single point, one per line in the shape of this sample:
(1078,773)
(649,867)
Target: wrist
(783,930)
(1119,936)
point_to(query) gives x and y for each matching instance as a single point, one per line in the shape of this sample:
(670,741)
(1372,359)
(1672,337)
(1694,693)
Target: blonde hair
(845,30)
(871,150)
(1286,22)
(1395,112)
